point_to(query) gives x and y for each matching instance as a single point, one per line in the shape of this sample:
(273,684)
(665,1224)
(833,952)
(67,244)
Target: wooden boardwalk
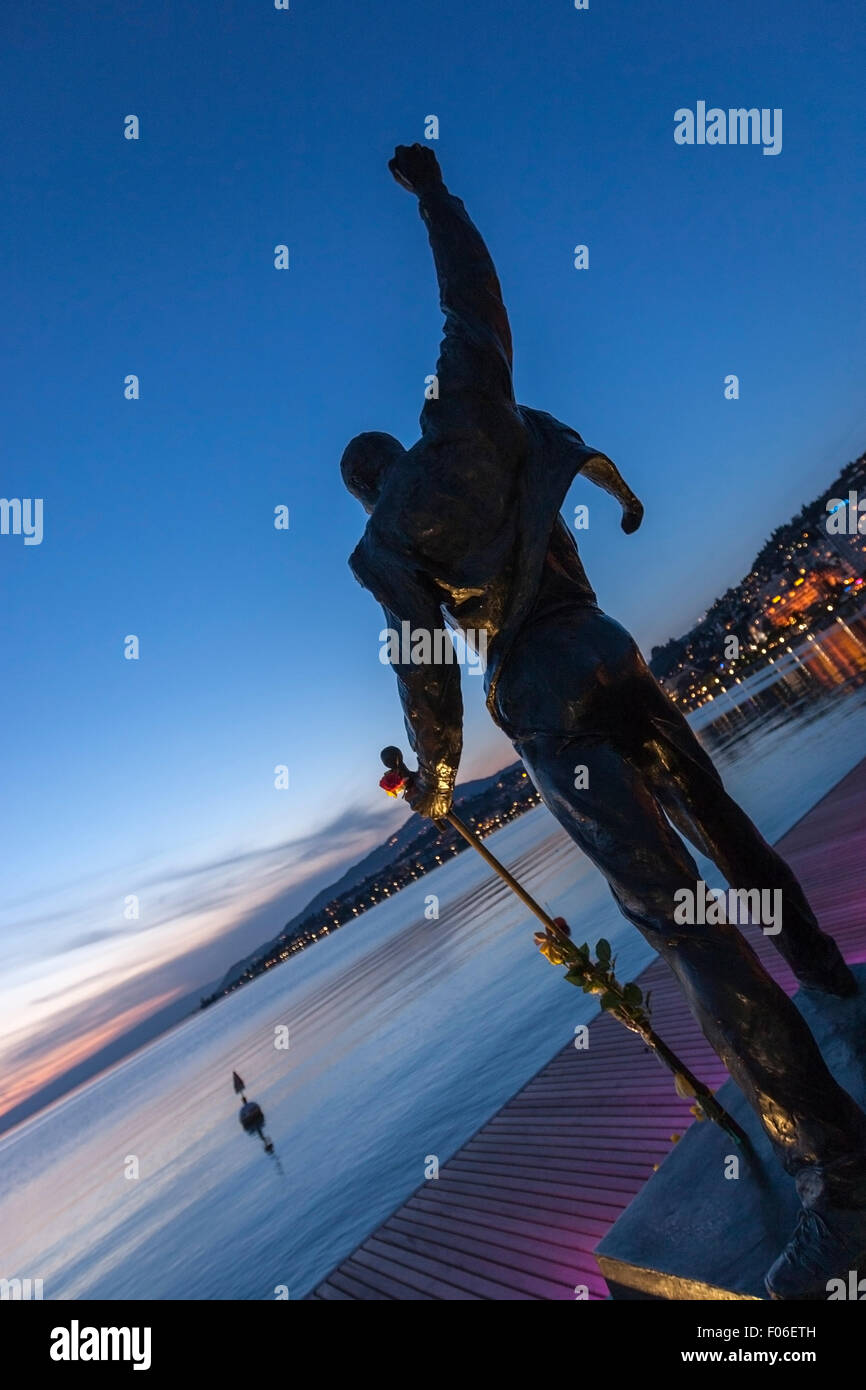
(518,1210)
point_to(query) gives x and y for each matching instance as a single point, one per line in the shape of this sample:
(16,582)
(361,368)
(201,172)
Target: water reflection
(796,683)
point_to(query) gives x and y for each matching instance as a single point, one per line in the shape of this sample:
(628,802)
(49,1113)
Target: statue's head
(367,460)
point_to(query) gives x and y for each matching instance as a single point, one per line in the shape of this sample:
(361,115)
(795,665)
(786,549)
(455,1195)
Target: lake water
(405,1035)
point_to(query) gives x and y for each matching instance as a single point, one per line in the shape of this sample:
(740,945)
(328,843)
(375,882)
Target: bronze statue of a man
(465,529)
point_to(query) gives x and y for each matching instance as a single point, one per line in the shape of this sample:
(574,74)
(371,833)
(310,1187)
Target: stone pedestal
(692,1232)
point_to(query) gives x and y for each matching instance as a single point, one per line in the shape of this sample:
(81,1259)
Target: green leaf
(609,1001)
(632,994)
(575,977)
(602,950)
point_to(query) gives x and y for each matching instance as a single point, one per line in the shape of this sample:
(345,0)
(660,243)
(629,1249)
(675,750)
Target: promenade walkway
(518,1210)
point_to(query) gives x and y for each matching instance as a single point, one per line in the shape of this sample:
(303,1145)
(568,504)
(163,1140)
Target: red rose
(392,782)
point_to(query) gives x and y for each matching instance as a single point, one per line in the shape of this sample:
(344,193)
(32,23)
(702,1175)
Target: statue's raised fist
(415,167)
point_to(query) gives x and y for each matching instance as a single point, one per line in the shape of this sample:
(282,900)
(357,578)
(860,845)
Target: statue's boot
(827,1244)
(829,1241)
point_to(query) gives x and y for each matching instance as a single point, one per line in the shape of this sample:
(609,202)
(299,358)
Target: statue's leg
(692,793)
(815,1126)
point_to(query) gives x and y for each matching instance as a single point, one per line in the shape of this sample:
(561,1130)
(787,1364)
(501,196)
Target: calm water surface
(405,1036)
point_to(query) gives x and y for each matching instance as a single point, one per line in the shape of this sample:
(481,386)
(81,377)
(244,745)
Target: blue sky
(155,257)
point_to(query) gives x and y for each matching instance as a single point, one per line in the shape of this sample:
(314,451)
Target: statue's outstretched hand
(604,473)
(632,515)
(415,167)
(427,798)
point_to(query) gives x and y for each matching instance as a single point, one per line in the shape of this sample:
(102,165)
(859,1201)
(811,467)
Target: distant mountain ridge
(415,844)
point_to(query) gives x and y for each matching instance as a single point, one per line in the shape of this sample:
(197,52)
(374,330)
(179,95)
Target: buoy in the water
(251,1115)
